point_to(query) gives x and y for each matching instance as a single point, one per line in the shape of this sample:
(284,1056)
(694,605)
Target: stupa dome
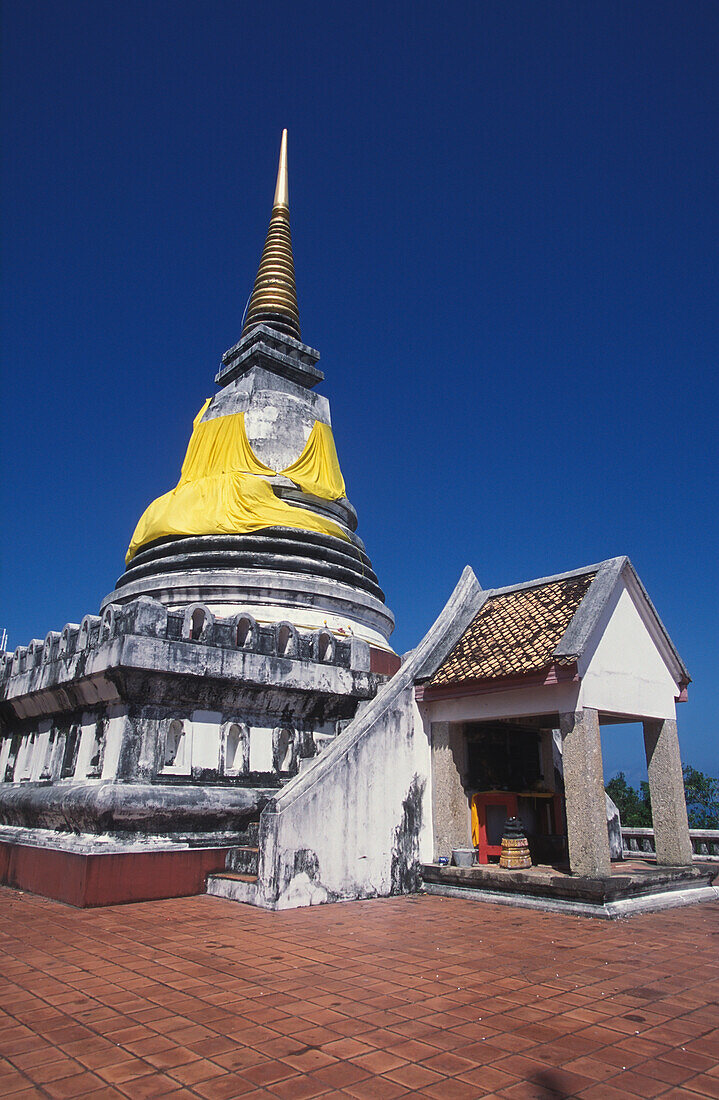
(259,521)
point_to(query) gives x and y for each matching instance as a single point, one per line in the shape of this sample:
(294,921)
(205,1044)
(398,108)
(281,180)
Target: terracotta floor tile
(44,1055)
(309,1059)
(127,1070)
(413,1076)
(448,1063)
(11,1084)
(412,1050)
(80,1084)
(340,1074)
(346,1048)
(377,1088)
(154,1084)
(703,1084)
(451,1088)
(27,1094)
(380,1061)
(553,999)
(53,1071)
(240,1058)
(267,1073)
(488,1078)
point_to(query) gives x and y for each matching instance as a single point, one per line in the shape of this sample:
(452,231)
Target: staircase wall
(356,822)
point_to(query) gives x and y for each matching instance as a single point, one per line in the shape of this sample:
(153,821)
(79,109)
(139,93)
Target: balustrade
(640,842)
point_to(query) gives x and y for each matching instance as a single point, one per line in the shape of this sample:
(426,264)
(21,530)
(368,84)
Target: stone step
(233,886)
(243,858)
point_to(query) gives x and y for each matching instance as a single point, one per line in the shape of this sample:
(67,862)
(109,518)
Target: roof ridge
(539,581)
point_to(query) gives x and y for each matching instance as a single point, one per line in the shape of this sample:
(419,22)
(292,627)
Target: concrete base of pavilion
(632,887)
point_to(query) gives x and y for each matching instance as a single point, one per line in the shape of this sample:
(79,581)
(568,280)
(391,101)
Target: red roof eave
(546,677)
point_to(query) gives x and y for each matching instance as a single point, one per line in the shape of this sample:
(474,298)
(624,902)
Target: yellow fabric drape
(317,470)
(220,446)
(220,490)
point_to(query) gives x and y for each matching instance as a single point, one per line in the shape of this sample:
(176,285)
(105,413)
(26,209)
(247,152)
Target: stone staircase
(238,882)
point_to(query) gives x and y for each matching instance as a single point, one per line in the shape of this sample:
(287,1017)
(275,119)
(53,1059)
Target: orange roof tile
(515,632)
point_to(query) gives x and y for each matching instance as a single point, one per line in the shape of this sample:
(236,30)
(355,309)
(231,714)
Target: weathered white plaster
(623,670)
(260,749)
(87,744)
(518,703)
(4,756)
(357,822)
(379,815)
(42,746)
(206,739)
(23,765)
(117,721)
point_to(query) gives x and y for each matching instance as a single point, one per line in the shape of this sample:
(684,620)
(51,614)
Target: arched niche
(236,748)
(285,750)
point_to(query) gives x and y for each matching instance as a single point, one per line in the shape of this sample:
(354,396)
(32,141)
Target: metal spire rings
(274,297)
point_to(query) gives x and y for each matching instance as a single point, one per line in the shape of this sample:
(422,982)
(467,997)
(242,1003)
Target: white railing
(640,842)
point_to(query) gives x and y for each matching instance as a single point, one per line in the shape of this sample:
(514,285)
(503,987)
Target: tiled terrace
(421,996)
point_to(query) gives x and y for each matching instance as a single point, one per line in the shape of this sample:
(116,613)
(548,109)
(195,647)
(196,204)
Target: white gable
(622,669)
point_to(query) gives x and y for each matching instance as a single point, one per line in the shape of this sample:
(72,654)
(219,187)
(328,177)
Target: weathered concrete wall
(666,791)
(357,822)
(147,698)
(584,794)
(354,823)
(450,805)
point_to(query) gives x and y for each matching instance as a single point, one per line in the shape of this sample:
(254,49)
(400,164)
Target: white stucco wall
(261,749)
(206,738)
(42,745)
(517,703)
(623,670)
(355,822)
(117,721)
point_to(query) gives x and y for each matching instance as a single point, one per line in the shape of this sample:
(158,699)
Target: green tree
(635,808)
(702,795)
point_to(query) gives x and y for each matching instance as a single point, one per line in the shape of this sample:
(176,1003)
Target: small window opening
(69,759)
(325,647)
(197,624)
(285,752)
(175,745)
(12,759)
(98,751)
(46,771)
(108,622)
(233,749)
(284,641)
(244,632)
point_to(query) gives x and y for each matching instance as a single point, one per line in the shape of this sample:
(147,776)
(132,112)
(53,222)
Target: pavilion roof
(515,632)
(526,628)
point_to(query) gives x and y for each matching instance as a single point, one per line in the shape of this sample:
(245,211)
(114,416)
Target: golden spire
(274,297)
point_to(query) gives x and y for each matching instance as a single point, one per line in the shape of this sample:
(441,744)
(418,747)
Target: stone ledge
(540,887)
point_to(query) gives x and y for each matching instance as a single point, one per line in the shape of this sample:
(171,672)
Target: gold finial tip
(282,192)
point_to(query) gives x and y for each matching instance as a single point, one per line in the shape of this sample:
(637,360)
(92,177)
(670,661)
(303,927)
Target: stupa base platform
(88,871)
(633,887)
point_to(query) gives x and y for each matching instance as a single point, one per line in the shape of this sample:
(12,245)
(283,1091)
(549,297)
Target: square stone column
(450,806)
(584,794)
(666,791)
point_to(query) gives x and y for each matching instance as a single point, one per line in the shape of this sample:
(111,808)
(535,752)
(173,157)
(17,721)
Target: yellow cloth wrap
(317,470)
(220,492)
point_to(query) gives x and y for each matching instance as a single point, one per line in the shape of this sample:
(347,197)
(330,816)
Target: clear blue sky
(505,227)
